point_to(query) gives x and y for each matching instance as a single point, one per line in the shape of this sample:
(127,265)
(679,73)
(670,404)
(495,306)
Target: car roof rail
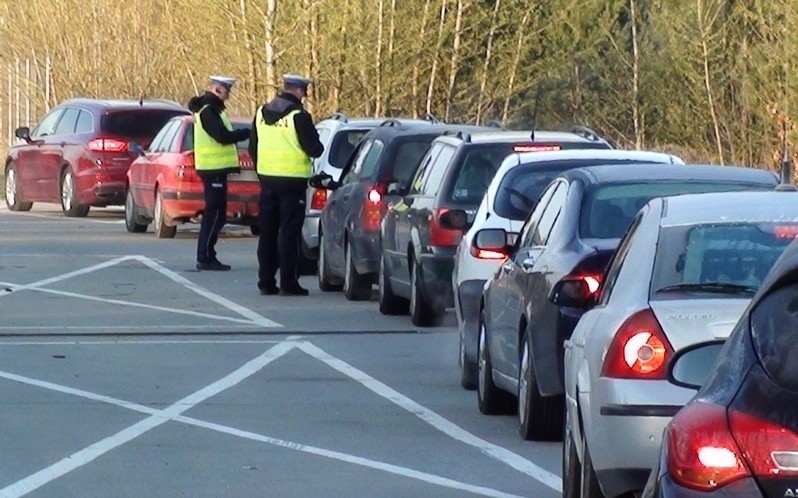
(431,118)
(462,135)
(584,131)
(391,122)
(339,116)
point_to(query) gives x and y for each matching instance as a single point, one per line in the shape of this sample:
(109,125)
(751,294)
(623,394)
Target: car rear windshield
(608,209)
(773,325)
(721,259)
(406,158)
(474,171)
(342,145)
(139,123)
(520,189)
(188,139)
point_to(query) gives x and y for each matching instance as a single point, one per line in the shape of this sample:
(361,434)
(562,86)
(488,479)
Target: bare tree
(488,53)
(436,56)
(269,19)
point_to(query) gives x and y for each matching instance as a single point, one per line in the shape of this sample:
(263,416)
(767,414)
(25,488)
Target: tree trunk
(707,79)
(436,56)
(391,68)
(636,114)
(483,84)
(253,70)
(458,31)
(378,59)
(271,69)
(417,64)
(516,63)
(339,80)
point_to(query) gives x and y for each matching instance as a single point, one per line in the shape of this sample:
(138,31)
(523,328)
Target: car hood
(690,321)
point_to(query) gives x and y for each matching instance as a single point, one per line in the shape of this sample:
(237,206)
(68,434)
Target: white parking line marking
(64,218)
(223,301)
(496,452)
(90,453)
(334,455)
(123,342)
(64,276)
(133,304)
(141,328)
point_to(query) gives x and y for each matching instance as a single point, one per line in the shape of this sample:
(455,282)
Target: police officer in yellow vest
(282,142)
(215,155)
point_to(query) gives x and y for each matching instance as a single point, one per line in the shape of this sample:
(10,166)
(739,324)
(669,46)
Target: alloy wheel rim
(483,379)
(158,211)
(11,186)
(347,270)
(381,278)
(523,384)
(413,291)
(129,208)
(66,191)
(322,267)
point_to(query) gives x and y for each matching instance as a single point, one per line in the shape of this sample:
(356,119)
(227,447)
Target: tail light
(639,349)
(372,210)
(439,236)
(107,145)
(319,199)
(708,449)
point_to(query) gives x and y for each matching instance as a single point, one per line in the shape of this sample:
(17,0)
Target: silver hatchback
(683,274)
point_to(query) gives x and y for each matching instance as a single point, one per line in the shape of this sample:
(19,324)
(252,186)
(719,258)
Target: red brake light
(785,231)
(319,199)
(639,349)
(107,145)
(702,453)
(372,210)
(439,236)
(535,148)
(770,450)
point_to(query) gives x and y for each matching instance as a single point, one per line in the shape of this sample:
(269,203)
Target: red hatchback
(164,189)
(79,153)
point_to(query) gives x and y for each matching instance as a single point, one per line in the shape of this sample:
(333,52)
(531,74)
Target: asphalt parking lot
(125,372)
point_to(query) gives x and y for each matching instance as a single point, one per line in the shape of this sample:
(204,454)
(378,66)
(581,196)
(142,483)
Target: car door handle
(508,266)
(567,344)
(528,264)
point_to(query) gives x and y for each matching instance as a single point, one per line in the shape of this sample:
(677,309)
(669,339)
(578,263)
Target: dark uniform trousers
(214,216)
(282,213)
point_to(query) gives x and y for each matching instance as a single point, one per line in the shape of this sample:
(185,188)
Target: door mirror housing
(692,366)
(493,239)
(395,187)
(576,291)
(135,148)
(23,132)
(454,219)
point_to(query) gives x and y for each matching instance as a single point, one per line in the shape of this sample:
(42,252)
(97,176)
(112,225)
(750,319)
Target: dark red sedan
(165,190)
(79,153)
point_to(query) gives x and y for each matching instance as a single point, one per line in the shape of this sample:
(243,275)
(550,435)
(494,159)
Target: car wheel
(490,399)
(589,487)
(422,313)
(357,287)
(468,369)
(326,282)
(69,201)
(162,229)
(132,218)
(390,303)
(306,265)
(13,193)
(571,470)
(540,417)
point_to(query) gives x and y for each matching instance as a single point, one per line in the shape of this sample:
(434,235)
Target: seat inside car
(607,220)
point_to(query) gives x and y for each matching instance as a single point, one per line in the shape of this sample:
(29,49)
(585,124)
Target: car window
(437,170)
(618,259)
(731,254)
(421,172)
(188,138)
(528,230)
(773,324)
(352,175)
(342,146)
(169,137)
(368,167)
(158,140)
(85,123)
(407,158)
(66,125)
(475,170)
(139,123)
(47,125)
(540,235)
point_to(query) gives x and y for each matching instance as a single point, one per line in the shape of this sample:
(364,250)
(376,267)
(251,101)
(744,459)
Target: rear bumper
(365,252)
(242,207)
(466,305)
(103,193)
(436,279)
(665,487)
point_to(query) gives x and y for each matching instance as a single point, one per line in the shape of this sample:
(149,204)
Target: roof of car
(419,129)
(635,172)
(492,135)
(715,207)
(124,103)
(367,122)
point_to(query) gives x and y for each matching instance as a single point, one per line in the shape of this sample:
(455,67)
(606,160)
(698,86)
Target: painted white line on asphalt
(177,328)
(135,305)
(90,453)
(64,218)
(119,342)
(452,430)
(223,301)
(64,276)
(252,436)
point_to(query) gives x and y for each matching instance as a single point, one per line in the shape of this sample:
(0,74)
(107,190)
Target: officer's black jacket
(277,109)
(211,121)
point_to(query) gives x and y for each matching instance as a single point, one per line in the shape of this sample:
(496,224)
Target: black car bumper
(365,252)
(436,279)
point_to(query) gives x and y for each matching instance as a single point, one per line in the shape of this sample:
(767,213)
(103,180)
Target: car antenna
(786,163)
(535,110)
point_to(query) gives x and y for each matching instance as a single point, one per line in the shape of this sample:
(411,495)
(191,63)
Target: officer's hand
(242,134)
(323,180)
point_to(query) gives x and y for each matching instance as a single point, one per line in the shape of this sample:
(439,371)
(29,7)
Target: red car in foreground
(164,189)
(79,152)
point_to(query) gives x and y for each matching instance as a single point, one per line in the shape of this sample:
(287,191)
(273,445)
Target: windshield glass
(342,145)
(188,139)
(608,209)
(773,325)
(475,171)
(138,123)
(405,160)
(726,259)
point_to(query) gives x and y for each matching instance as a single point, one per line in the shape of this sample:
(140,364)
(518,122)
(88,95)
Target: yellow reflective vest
(210,155)
(279,152)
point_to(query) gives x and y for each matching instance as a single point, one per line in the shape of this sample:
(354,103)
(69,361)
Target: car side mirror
(692,366)
(576,292)
(493,241)
(454,219)
(23,132)
(135,148)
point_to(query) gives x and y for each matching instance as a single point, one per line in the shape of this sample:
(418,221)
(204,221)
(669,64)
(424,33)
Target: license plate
(248,175)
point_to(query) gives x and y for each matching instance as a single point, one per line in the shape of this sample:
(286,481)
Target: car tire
(327,283)
(254,230)
(390,303)
(12,191)
(133,221)
(571,469)
(540,417)
(162,229)
(490,399)
(422,313)
(469,371)
(306,265)
(589,485)
(357,287)
(69,198)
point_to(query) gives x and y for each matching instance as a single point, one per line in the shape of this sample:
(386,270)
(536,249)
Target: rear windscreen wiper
(524,198)
(714,287)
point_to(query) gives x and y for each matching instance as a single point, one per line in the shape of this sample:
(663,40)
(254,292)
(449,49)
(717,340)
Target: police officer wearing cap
(282,142)
(215,155)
